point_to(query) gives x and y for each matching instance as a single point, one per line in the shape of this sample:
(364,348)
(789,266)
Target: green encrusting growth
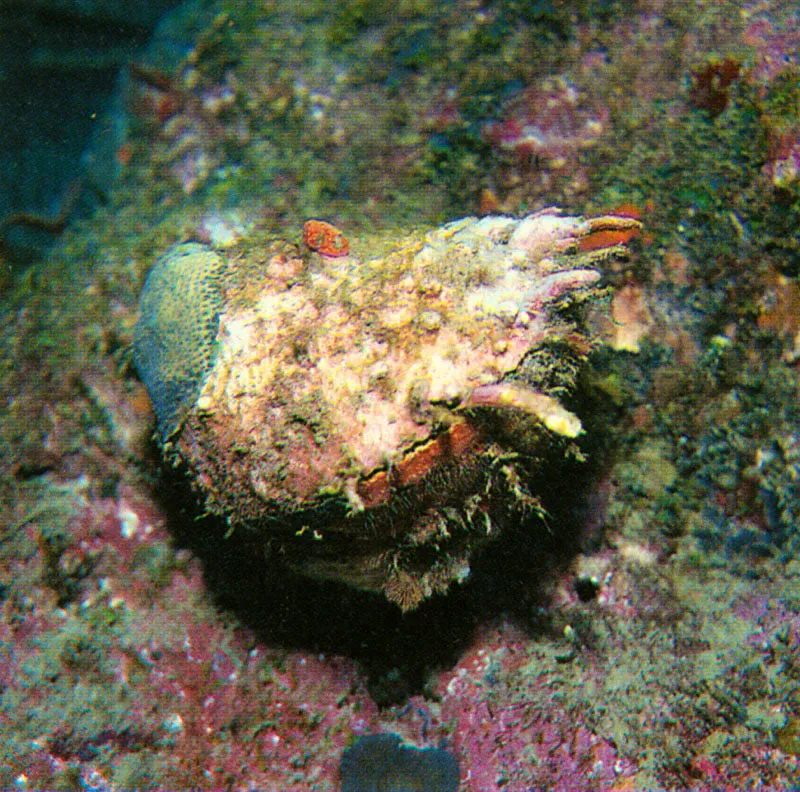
(173,348)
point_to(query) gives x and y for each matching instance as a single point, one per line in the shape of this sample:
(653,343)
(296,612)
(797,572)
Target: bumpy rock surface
(379,419)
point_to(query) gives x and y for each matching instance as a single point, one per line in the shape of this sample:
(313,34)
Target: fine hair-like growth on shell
(379,419)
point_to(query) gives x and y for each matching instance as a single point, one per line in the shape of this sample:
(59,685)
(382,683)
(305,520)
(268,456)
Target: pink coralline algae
(548,122)
(775,39)
(511,732)
(187,700)
(187,119)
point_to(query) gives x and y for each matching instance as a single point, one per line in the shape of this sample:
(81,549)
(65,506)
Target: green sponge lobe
(174,340)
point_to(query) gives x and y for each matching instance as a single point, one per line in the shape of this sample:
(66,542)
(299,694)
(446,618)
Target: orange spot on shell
(627,210)
(324,238)
(418,463)
(607,238)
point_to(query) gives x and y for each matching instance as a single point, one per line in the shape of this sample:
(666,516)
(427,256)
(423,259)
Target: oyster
(379,419)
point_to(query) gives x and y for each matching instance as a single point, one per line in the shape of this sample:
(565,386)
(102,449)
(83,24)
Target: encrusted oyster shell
(377,417)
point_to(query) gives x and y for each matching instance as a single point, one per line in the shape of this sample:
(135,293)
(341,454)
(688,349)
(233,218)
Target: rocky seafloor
(641,630)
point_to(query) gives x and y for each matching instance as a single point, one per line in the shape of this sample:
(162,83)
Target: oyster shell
(378,419)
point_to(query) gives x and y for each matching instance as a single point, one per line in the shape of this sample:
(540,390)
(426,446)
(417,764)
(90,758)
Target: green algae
(788,736)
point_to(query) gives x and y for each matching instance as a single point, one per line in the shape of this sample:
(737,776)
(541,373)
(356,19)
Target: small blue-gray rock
(383,763)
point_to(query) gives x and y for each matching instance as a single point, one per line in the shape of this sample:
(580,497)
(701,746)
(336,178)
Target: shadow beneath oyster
(510,578)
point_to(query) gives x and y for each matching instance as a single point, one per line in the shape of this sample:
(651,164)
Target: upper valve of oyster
(376,415)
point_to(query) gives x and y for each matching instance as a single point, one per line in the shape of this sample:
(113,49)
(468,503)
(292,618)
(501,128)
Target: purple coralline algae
(630,619)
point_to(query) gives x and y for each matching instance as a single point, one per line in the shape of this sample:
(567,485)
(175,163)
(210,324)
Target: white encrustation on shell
(372,415)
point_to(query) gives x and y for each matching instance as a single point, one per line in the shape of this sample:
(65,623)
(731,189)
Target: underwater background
(640,630)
